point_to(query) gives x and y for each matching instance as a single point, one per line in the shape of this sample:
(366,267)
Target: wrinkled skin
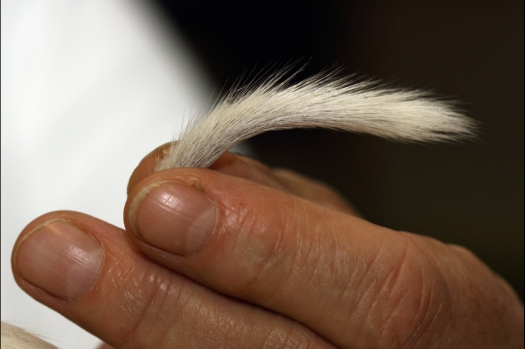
(287,263)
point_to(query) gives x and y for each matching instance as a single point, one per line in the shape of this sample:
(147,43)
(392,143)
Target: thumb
(318,266)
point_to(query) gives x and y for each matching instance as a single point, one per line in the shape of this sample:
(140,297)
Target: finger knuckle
(263,250)
(414,299)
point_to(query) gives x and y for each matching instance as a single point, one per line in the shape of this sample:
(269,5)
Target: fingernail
(173,217)
(61,259)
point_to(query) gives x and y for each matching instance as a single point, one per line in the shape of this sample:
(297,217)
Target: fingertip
(229,163)
(174,217)
(146,167)
(56,248)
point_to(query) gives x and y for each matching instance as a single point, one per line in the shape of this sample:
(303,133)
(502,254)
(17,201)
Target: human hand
(241,256)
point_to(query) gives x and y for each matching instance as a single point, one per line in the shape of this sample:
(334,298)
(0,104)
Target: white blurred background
(88,89)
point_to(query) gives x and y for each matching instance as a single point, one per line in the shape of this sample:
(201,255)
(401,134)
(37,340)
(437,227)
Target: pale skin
(243,256)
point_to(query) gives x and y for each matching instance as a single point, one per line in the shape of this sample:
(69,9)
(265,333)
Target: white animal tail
(322,101)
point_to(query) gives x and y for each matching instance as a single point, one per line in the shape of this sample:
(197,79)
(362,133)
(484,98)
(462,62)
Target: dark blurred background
(472,51)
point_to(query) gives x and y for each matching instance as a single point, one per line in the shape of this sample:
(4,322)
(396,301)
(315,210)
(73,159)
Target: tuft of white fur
(322,101)
(15,338)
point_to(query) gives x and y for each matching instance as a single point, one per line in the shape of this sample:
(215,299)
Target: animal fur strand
(15,338)
(318,102)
